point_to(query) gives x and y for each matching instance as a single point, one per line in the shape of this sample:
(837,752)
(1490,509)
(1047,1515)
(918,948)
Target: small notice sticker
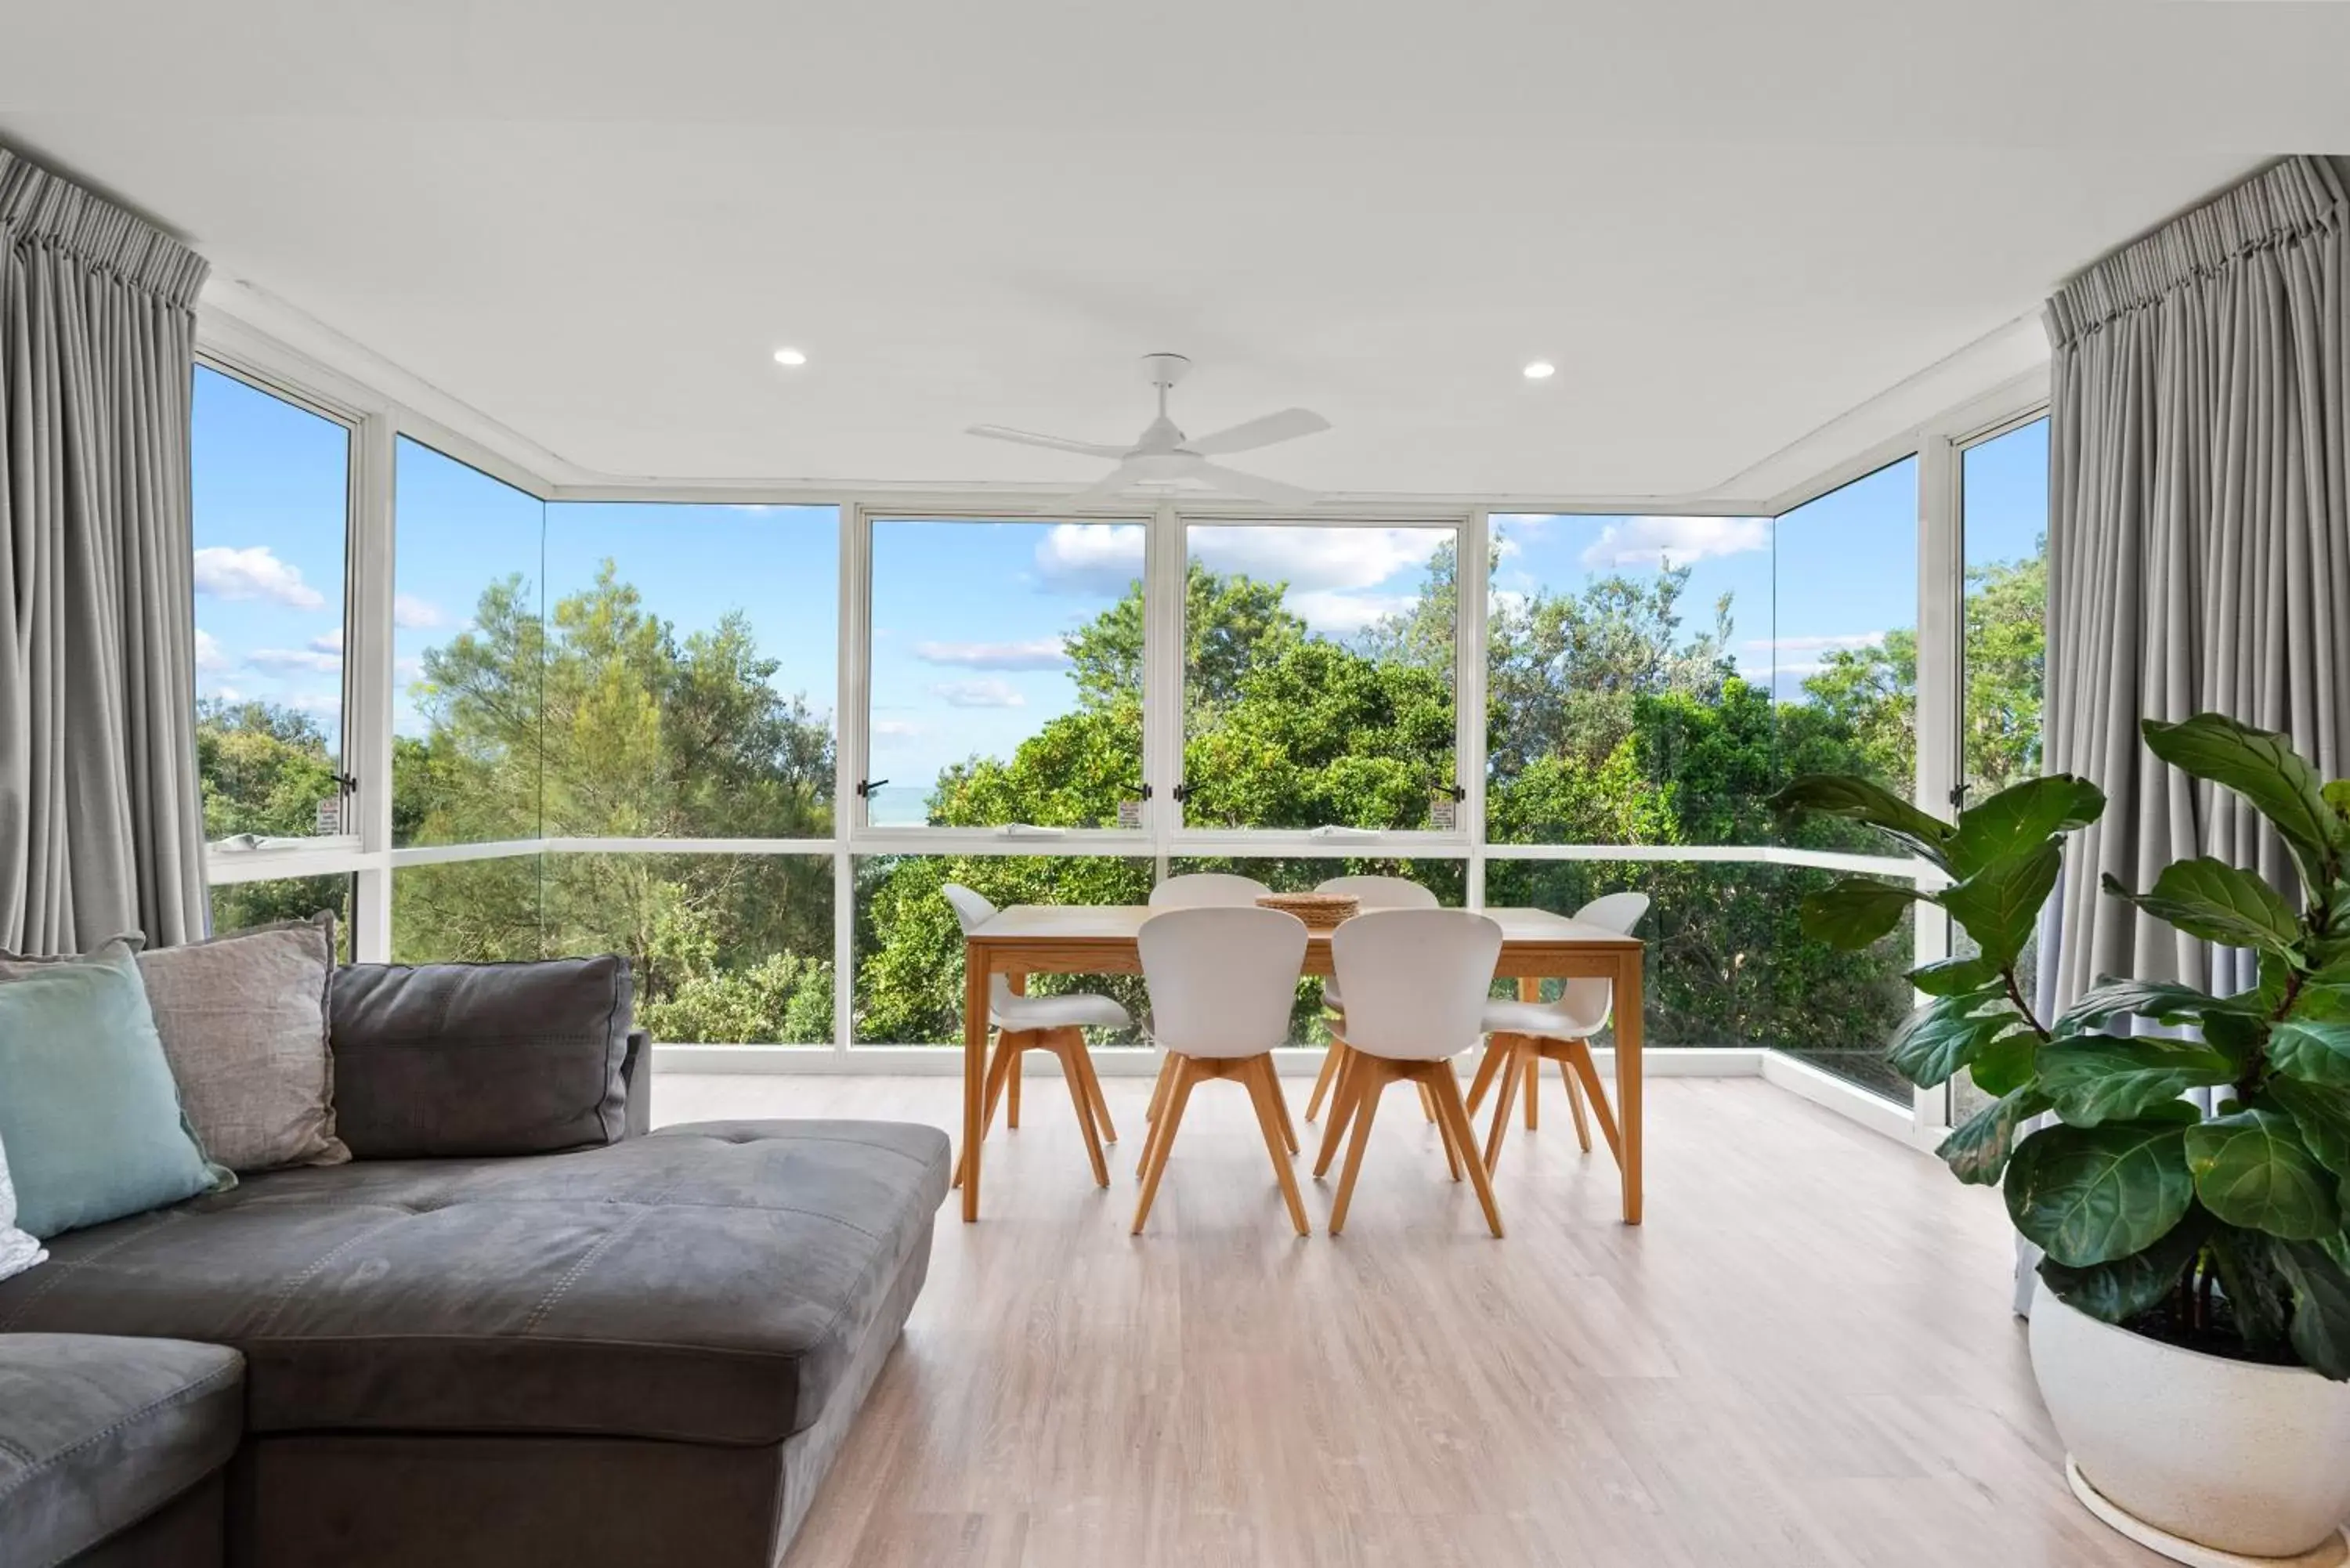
(330,816)
(1129,815)
(1443,814)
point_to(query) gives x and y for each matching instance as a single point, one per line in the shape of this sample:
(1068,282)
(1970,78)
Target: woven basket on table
(1320,911)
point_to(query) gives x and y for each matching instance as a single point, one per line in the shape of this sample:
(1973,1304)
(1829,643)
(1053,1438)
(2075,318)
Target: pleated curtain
(2198,546)
(100,815)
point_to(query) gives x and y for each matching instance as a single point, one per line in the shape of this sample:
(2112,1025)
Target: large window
(1318,676)
(272,486)
(1007,669)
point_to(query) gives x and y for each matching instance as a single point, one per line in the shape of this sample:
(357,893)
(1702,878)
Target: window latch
(1455,791)
(865,787)
(1182,791)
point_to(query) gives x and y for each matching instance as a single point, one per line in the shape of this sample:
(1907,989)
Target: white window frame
(376,419)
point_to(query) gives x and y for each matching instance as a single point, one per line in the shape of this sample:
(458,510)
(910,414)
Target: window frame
(376,418)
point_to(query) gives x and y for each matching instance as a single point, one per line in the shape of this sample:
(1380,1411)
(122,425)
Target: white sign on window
(1130,815)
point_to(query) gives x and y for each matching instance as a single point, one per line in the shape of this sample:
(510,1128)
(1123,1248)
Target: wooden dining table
(1022,939)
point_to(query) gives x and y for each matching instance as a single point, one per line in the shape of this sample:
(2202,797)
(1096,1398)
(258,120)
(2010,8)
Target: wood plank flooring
(1804,1358)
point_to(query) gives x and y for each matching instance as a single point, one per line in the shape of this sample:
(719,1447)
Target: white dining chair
(1222,982)
(1415,984)
(1521,1035)
(1203,889)
(1368,893)
(1054,1024)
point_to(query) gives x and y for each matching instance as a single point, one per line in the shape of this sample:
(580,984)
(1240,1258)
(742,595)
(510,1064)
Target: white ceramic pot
(2248,1459)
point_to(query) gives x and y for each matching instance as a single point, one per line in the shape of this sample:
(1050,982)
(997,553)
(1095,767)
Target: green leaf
(2252,1170)
(1855,911)
(2096,1079)
(2017,820)
(1842,794)
(2007,1063)
(1978,1149)
(2160,1001)
(2214,900)
(2258,1298)
(2321,1306)
(2323,1114)
(2120,1291)
(2312,1042)
(2337,795)
(2000,904)
(1948,977)
(1942,1036)
(2262,767)
(2091,1195)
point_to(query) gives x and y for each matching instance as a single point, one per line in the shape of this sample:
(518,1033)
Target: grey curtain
(2198,545)
(100,817)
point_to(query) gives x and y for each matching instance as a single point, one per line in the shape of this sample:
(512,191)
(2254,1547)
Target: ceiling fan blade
(1286,425)
(1058,444)
(1101,489)
(1269,491)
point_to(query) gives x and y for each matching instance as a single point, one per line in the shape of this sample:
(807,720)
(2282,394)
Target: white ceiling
(585,226)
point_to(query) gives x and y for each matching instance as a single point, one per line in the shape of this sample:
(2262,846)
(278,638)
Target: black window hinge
(865,787)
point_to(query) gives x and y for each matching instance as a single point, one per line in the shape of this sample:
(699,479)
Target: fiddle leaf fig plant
(2222,1228)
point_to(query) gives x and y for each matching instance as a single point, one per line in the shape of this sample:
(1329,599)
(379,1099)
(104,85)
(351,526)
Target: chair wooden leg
(1281,1104)
(1427,1105)
(1532,1070)
(1085,1059)
(1072,1068)
(1158,1089)
(1499,1049)
(1444,1136)
(1574,1104)
(1011,1093)
(1505,1101)
(1007,1053)
(1265,1091)
(1162,1137)
(1578,1052)
(1342,1108)
(1371,1076)
(1323,1080)
(1446,1088)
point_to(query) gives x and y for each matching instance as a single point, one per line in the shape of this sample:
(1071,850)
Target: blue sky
(968,617)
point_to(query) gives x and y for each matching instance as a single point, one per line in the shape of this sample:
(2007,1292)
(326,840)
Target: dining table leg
(974,1068)
(1628,1006)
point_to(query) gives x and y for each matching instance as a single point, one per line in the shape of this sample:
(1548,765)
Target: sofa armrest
(637,1076)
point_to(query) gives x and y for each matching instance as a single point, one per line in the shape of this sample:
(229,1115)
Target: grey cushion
(708,1282)
(459,1060)
(97,1434)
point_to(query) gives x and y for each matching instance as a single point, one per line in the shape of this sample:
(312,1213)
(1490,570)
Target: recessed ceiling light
(1539,371)
(790,357)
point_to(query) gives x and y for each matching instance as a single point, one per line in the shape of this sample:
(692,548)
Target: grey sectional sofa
(647,1349)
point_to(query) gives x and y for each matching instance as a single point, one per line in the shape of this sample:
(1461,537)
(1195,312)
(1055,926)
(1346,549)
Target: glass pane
(272,486)
(467,639)
(728,950)
(1318,675)
(688,677)
(1007,673)
(240,906)
(1845,654)
(467,911)
(1728,963)
(1308,1023)
(909,947)
(1629,667)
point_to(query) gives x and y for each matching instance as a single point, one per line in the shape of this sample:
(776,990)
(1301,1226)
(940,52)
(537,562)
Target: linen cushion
(705,1284)
(98,1434)
(18,1250)
(460,1060)
(244,1023)
(89,1111)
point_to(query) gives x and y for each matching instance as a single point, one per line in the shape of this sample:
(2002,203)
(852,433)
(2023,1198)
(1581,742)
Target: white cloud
(1336,614)
(328,642)
(1041,653)
(224,693)
(208,656)
(989,693)
(281,659)
(1090,557)
(408,669)
(1812,644)
(1651,541)
(1315,558)
(316,703)
(254,573)
(895,729)
(412,614)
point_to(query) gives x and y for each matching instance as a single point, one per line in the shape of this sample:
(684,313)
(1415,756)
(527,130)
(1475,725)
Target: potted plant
(2192,1341)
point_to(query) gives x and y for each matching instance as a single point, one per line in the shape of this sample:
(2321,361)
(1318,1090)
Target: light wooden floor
(1805,1356)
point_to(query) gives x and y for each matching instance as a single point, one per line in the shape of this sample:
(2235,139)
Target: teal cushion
(88,1110)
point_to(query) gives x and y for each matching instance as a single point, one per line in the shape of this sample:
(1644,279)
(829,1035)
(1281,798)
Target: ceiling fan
(1164,454)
